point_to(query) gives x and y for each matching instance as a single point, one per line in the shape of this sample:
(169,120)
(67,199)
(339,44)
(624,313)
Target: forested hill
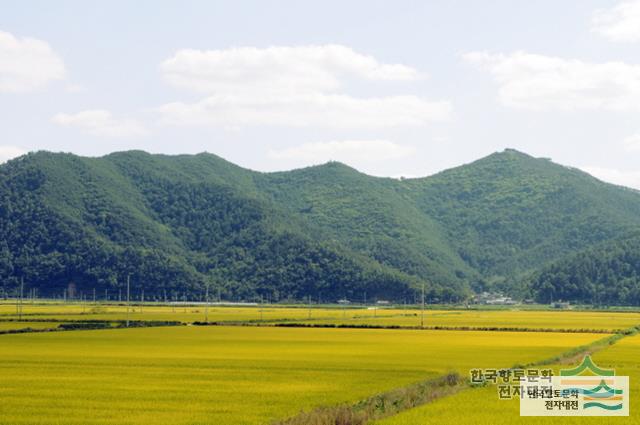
(509,213)
(606,274)
(176,224)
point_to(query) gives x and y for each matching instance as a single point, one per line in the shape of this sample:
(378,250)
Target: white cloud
(632,143)
(539,82)
(8,152)
(291,86)
(348,151)
(27,64)
(278,70)
(98,122)
(611,175)
(620,23)
(319,110)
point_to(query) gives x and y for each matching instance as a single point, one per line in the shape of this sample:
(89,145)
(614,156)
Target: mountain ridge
(195,220)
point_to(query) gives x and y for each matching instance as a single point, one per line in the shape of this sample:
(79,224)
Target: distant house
(344,301)
(491,298)
(501,301)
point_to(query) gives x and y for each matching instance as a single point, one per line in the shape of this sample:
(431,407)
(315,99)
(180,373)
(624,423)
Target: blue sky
(391,88)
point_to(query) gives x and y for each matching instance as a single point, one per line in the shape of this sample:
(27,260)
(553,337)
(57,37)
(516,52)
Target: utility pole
(261,309)
(21,295)
(309,303)
(206,306)
(128,276)
(94,296)
(422,314)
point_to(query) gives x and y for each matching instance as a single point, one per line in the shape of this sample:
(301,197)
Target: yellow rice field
(513,318)
(4,326)
(234,375)
(525,319)
(483,407)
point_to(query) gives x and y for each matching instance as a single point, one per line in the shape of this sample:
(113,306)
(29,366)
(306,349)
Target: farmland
(521,319)
(13,325)
(234,375)
(183,313)
(482,406)
(260,371)
(326,315)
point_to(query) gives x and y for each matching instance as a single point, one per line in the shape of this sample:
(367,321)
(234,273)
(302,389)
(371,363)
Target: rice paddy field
(5,326)
(234,375)
(523,319)
(260,374)
(483,407)
(355,316)
(186,313)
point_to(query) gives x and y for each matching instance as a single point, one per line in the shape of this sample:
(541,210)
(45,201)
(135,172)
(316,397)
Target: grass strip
(286,324)
(93,325)
(380,405)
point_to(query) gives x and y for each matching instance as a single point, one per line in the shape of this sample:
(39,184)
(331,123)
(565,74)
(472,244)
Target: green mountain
(176,224)
(370,215)
(605,274)
(509,213)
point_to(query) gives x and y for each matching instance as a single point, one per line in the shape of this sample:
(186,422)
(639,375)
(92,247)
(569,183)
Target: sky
(392,88)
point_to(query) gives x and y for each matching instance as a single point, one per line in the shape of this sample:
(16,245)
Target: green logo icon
(601,396)
(587,364)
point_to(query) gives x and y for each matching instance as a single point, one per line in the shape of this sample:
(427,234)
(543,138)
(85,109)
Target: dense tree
(174,224)
(509,214)
(606,274)
(85,223)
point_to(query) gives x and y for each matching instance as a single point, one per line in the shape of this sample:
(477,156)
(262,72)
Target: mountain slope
(369,215)
(509,213)
(174,224)
(178,223)
(605,274)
